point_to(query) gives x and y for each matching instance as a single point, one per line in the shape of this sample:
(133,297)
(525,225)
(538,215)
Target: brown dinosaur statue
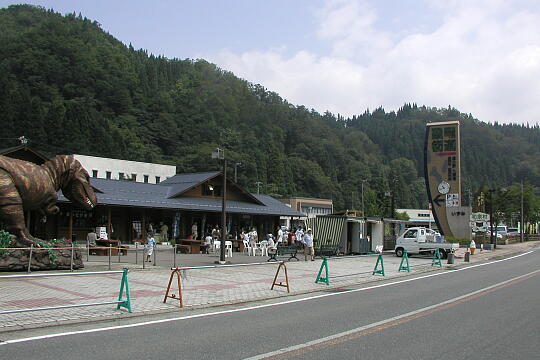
(27,186)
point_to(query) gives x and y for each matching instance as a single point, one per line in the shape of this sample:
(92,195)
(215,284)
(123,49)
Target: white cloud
(483,58)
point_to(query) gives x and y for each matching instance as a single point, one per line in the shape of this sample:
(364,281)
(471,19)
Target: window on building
(211,190)
(94,173)
(146,179)
(158,179)
(133,177)
(108,174)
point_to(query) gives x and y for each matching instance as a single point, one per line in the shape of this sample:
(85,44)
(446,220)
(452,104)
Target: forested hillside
(70,87)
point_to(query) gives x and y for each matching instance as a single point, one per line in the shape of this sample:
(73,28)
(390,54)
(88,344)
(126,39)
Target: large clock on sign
(443,187)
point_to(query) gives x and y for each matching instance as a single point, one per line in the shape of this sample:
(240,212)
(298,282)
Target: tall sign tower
(442,163)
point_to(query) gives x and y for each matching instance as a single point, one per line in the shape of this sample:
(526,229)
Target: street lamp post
(394,181)
(236,164)
(258,183)
(521,227)
(491,238)
(220,154)
(363,208)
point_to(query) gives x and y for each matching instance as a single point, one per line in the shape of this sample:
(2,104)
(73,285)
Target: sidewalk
(201,288)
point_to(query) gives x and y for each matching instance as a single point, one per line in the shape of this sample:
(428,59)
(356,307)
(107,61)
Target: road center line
(341,337)
(256,307)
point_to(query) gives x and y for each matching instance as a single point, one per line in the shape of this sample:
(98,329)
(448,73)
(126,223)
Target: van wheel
(399,252)
(443,253)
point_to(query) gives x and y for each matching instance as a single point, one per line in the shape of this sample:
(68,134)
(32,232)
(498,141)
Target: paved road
(485,312)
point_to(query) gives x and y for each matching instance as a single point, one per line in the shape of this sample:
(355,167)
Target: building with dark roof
(24,152)
(129,209)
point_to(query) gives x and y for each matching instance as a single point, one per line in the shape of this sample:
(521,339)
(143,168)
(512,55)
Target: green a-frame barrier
(381,262)
(324,279)
(124,285)
(436,258)
(404,258)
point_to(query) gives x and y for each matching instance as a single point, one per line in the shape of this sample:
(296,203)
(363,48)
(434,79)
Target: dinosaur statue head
(78,188)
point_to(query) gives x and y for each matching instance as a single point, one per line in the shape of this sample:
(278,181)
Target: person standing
(194,231)
(164,232)
(150,244)
(215,233)
(290,236)
(299,234)
(279,235)
(308,245)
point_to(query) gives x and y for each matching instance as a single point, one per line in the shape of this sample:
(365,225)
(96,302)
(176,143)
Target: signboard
(479,217)
(442,173)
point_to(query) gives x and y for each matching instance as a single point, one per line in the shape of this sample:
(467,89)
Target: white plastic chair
(217,245)
(263,248)
(228,248)
(247,247)
(252,250)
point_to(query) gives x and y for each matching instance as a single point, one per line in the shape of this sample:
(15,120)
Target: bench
(291,251)
(102,248)
(183,249)
(327,250)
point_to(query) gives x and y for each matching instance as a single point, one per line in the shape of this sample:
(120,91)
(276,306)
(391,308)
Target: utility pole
(220,154)
(363,207)
(393,215)
(493,240)
(521,215)
(258,183)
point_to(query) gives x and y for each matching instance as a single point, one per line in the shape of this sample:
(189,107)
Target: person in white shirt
(207,243)
(308,245)
(279,235)
(299,234)
(271,243)
(253,237)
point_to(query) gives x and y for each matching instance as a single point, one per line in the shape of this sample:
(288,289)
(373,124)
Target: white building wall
(419,215)
(377,233)
(117,166)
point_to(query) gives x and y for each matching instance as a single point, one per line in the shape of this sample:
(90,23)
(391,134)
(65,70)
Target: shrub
(461,241)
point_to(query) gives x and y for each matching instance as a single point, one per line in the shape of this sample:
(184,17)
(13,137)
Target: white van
(416,240)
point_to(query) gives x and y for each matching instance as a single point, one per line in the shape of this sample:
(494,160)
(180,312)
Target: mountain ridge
(71,87)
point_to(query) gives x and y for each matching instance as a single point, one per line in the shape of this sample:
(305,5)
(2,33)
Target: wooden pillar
(109,233)
(143,225)
(130,225)
(203,227)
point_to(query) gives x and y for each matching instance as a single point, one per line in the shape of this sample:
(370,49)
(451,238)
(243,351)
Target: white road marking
(162,321)
(382,322)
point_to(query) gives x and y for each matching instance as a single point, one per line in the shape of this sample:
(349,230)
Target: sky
(346,56)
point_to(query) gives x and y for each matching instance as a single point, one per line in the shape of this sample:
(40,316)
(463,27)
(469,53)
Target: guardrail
(180,272)
(121,302)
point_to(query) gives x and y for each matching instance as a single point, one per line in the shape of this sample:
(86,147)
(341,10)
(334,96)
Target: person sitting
(271,243)
(91,238)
